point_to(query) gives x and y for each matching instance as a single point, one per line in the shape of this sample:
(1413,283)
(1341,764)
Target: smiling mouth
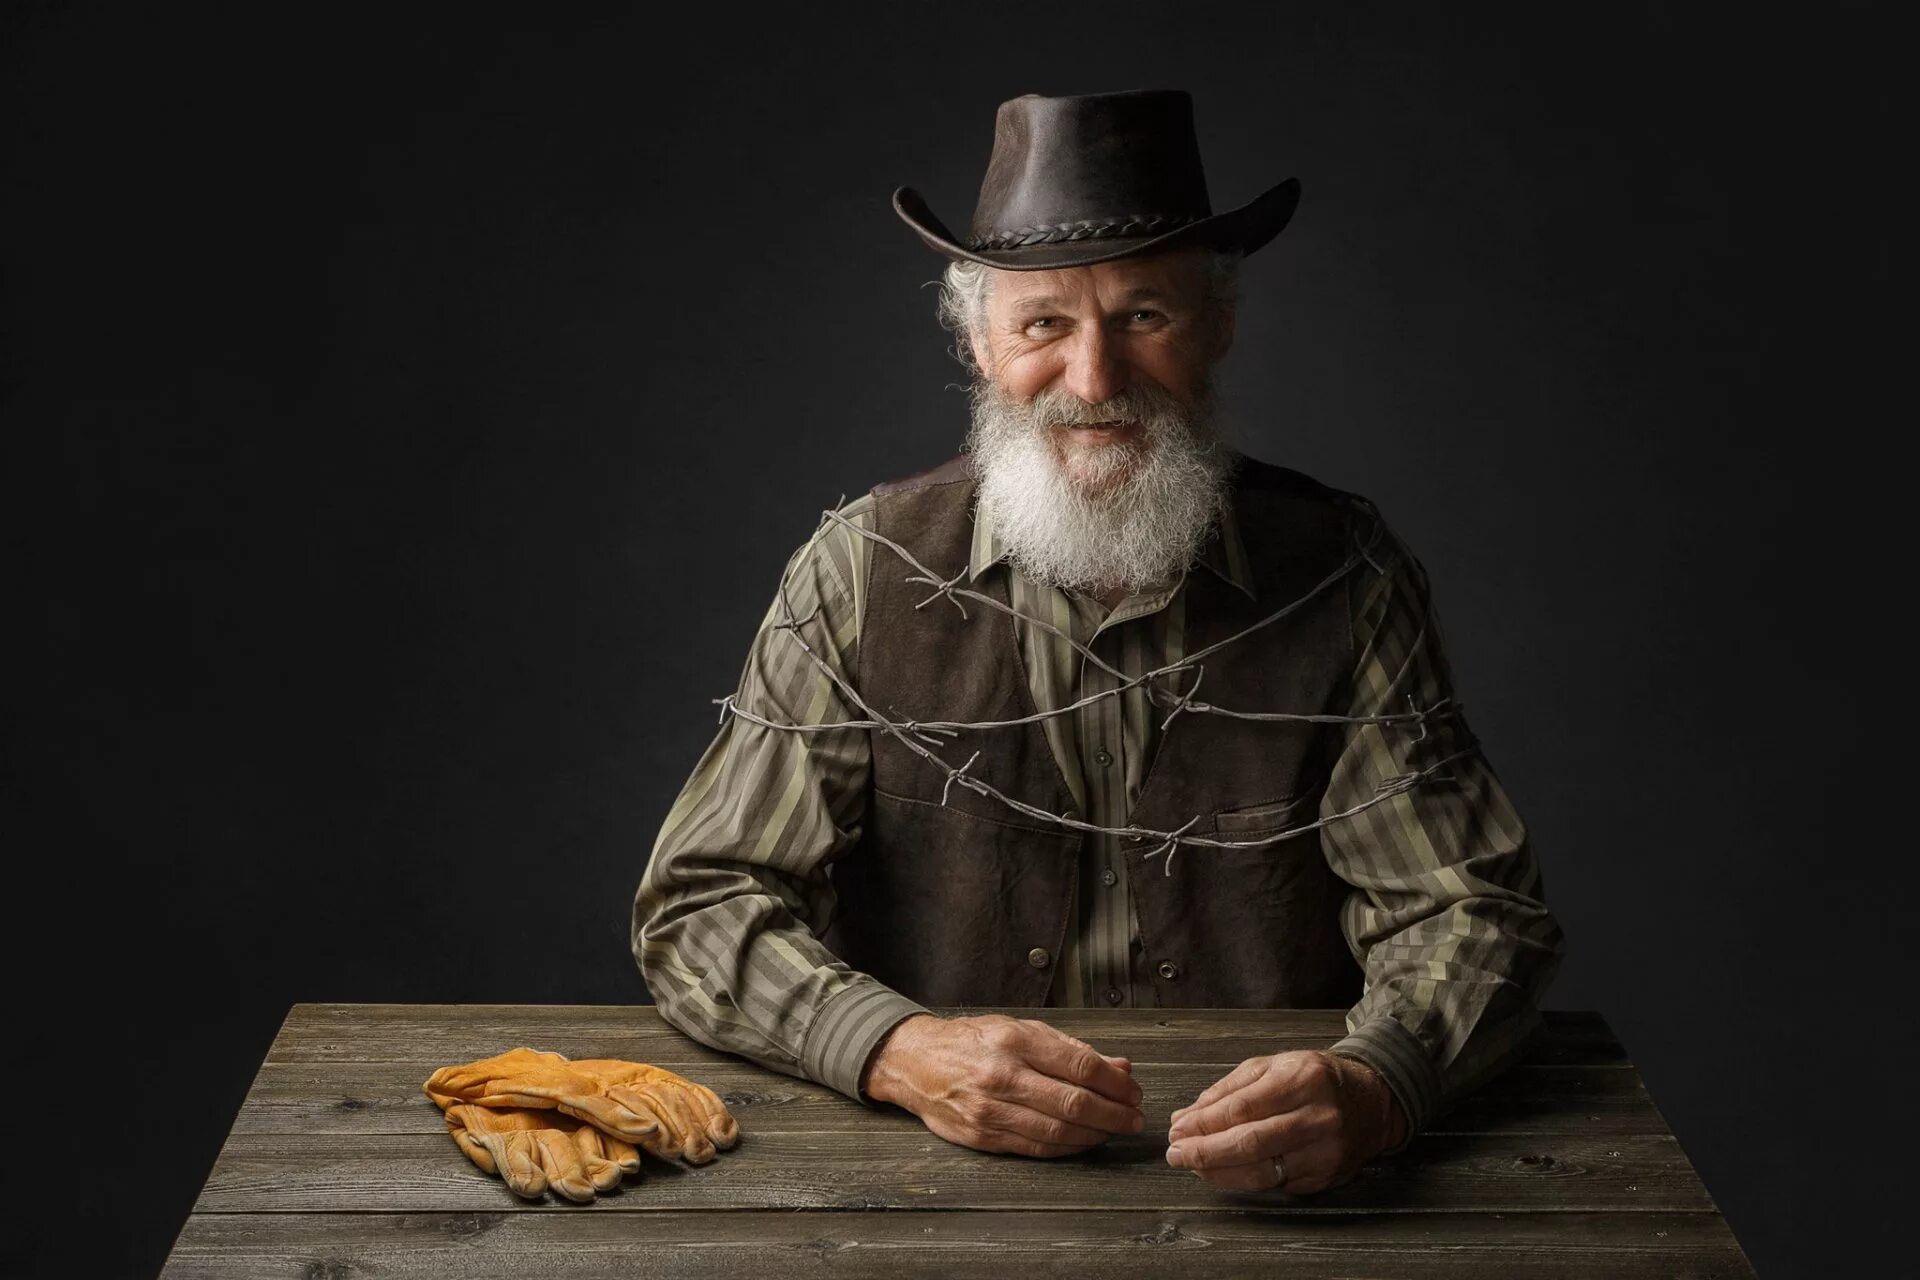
(1096,426)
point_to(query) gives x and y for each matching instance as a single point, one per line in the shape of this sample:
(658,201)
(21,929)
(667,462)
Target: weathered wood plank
(575,1246)
(286,1173)
(337,1165)
(438,1034)
(385,1097)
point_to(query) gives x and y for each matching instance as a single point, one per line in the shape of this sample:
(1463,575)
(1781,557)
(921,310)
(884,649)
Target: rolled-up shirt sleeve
(1447,913)
(728,916)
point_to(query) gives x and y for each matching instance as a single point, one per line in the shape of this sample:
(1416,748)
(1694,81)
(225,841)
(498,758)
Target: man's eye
(1038,321)
(1149,314)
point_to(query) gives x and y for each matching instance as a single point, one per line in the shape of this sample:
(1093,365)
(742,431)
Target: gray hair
(966,286)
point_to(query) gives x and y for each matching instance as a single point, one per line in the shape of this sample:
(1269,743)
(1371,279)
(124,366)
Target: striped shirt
(1446,916)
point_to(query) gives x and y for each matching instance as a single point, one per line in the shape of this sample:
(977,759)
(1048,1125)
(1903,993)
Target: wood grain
(338,1165)
(894,1170)
(437,1034)
(385,1097)
(577,1246)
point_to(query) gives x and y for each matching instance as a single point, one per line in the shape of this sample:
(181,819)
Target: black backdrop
(408,415)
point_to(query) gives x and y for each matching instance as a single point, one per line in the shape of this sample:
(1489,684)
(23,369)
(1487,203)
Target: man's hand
(996,1083)
(1323,1115)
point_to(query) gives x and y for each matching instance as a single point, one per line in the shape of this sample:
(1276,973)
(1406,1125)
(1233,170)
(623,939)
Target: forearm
(727,921)
(1458,957)
(729,966)
(1446,912)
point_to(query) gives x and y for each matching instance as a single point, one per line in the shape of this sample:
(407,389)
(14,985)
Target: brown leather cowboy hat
(1093,177)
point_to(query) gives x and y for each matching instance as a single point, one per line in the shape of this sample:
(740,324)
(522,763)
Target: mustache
(1133,513)
(1152,406)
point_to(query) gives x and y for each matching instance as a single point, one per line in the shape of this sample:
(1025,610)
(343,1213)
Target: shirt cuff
(845,1031)
(1397,1054)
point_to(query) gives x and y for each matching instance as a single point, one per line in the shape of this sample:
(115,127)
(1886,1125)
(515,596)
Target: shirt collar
(1225,552)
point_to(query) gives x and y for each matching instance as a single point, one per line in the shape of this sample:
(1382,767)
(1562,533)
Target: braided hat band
(1133,224)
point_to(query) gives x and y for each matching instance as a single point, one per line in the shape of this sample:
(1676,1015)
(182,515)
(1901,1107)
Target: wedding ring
(1279,1174)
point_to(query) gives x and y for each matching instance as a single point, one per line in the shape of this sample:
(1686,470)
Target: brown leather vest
(952,903)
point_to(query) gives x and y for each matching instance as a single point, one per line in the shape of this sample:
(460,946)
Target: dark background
(408,413)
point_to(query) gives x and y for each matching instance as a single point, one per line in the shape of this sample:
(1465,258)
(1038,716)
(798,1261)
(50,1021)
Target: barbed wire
(920,736)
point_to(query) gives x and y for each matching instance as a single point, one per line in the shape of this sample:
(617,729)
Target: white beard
(1130,515)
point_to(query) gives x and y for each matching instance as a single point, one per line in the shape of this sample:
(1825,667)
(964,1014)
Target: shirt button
(1113,995)
(1169,970)
(1107,877)
(1103,757)
(1039,958)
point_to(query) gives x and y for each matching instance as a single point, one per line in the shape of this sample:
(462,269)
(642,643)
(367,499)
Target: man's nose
(1094,372)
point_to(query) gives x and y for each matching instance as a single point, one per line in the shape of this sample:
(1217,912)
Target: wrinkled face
(1092,419)
(1088,340)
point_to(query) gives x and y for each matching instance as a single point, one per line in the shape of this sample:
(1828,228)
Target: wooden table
(338,1166)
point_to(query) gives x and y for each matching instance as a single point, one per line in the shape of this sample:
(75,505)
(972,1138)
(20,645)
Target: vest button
(1113,995)
(1103,757)
(1169,970)
(1107,877)
(1039,958)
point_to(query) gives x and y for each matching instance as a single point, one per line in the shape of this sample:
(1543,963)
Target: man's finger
(1288,1082)
(1254,1102)
(1238,1078)
(1314,1167)
(1255,1140)
(1044,1127)
(1080,1108)
(1257,1176)
(1068,1059)
(1122,1063)
(1258,1100)
(1009,1140)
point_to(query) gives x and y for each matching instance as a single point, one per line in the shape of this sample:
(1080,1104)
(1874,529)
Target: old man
(1102,712)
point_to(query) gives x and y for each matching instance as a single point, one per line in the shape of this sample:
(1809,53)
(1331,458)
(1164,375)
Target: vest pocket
(1268,816)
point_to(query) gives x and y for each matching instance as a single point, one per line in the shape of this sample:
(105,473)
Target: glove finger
(504,1073)
(519,1092)
(519,1169)
(721,1126)
(689,1126)
(464,1139)
(446,1087)
(468,1078)
(715,1121)
(566,1171)
(625,1156)
(604,1173)
(619,1112)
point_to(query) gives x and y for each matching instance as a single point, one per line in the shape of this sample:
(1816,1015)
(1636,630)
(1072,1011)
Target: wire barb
(944,587)
(953,774)
(920,736)
(1184,702)
(1171,845)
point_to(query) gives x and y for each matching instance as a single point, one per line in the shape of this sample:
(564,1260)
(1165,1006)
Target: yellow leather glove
(664,1113)
(535,1150)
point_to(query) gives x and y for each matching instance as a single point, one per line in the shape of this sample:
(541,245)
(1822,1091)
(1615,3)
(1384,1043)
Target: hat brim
(1242,230)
